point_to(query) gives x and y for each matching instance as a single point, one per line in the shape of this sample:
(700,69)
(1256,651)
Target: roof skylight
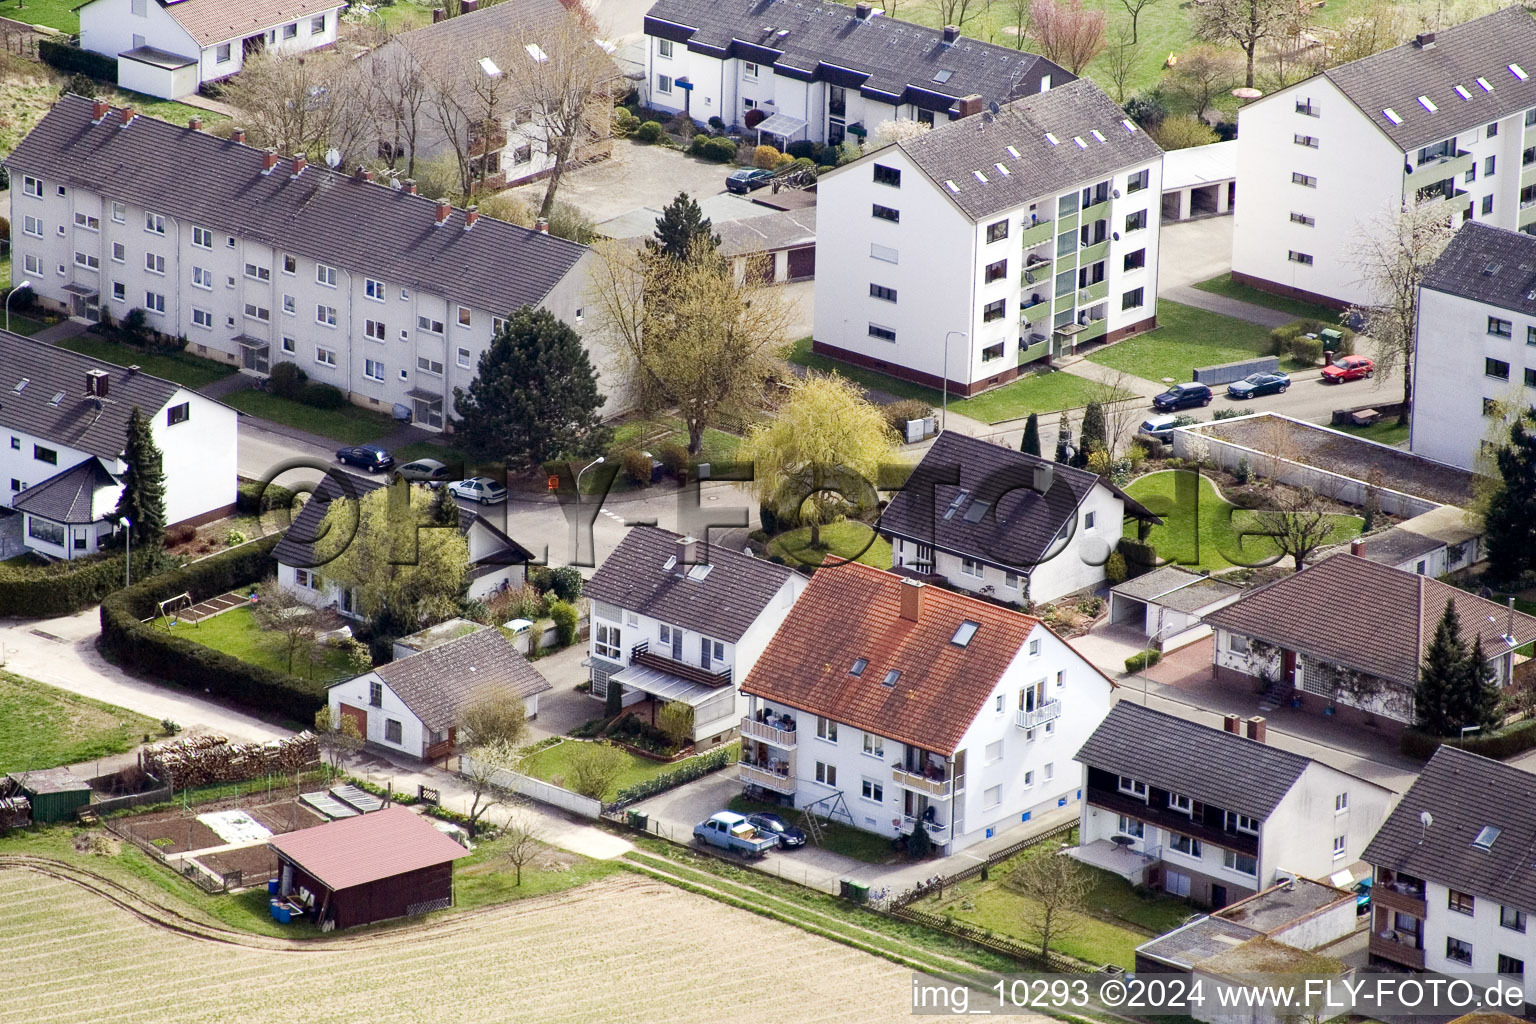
(1462,92)
(1127,124)
(955,503)
(58,397)
(858,667)
(964,633)
(1518,72)
(1052,139)
(1391,115)
(1002,170)
(489,67)
(1080,143)
(980,177)
(21,386)
(1098,135)
(943,76)
(536,52)
(1484,83)
(976,511)
(1012,152)
(891,677)
(1486,837)
(1428,104)
(951,186)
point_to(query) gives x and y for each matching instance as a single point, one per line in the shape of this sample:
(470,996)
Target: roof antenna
(1425,819)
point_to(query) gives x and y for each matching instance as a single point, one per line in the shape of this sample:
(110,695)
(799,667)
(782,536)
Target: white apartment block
(974,250)
(257,260)
(891,705)
(1475,356)
(169,48)
(824,71)
(1452,114)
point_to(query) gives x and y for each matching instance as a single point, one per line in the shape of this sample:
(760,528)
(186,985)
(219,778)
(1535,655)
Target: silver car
(479,488)
(425,471)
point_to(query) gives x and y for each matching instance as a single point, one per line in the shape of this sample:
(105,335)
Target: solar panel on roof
(955,504)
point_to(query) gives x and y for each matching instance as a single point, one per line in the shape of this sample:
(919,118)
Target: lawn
(235,633)
(1115,919)
(1224,285)
(836,836)
(553,763)
(873,380)
(1202,530)
(182,367)
(351,424)
(717,446)
(1186,338)
(848,540)
(43,727)
(486,877)
(165,110)
(59,14)
(1384,431)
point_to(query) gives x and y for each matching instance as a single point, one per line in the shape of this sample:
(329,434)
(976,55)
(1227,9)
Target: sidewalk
(60,331)
(1235,308)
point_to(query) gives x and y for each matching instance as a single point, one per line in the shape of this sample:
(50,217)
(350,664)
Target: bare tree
(280,611)
(483,770)
(1121,59)
(1277,441)
(400,91)
(1054,887)
(1020,20)
(303,103)
(1393,253)
(1248,23)
(953,12)
(1134,9)
(1202,72)
(338,735)
(1299,523)
(522,837)
(1115,394)
(1067,33)
(500,719)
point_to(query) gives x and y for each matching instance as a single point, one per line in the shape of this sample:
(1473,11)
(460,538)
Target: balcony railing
(919,781)
(1093,293)
(1396,950)
(1405,899)
(1092,253)
(1096,211)
(1037,233)
(1047,712)
(1433,170)
(641,654)
(1096,329)
(934,828)
(782,738)
(779,782)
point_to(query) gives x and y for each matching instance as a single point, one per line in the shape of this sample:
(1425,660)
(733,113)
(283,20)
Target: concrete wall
(543,792)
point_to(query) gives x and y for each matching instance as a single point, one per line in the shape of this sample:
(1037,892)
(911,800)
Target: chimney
(968,105)
(951,33)
(133,368)
(541,226)
(362,173)
(687,551)
(299,163)
(911,600)
(268,161)
(1045,477)
(861,11)
(1357,547)
(127,115)
(468,6)
(1258,729)
(195,123)
(1424,40)
(410,186)
(471,214)
(444,208)
(97,383)
(237,135)
(99,110)
(438,14)
(1233,724)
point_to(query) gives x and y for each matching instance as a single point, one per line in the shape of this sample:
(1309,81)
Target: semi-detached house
(259,259)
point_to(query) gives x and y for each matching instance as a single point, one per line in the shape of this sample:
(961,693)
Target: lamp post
(128,560)
(8,298)
(595,462)
(944,421)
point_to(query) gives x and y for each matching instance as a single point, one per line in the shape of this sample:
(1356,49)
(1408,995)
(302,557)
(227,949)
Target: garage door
(357,716)
(802,263)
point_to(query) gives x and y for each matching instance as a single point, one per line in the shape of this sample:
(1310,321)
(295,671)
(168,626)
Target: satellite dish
(332,157)
(1426,819)
(987,117)
(993,107)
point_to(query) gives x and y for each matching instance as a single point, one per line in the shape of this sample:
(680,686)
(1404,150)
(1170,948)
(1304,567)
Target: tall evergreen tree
(444,511)
(1030,443)
(1095,434)
(534,396)
(1064,440)
(1480,689)
(680,223)
(1509,523)
(1438,697)
(143,497)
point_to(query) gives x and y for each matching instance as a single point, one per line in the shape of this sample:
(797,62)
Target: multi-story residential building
(169,48)
(975,249)
(893,705)
(1452,114)
(673,620)
(257,259)
(1014,527)
(1475,351)
(1455,883)
(1214,815)
(64,418)
(824,71)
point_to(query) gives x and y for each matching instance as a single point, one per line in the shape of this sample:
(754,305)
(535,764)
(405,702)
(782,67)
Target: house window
(872,790)
(1138,181)
(256,273)
(1499,328)
(887,176)
(289,346)
(465,317)
(154,301)
(202,277)
(1510,967)
(874,745)
(1241,823)
(1306,180)
(749,69)
(325,315)
(374,289)
(1303,220)
(996,271)
(255,312)
(997,231)
(1187,845)
(33,264)
(1310,141)
(34,226)
(1491,407)
(202,317)
(1460,902)
(885,213)
(1340,844)
(992,352)
(154,223)
(325,356)
(290,265)
(971,567)
(1135,260)
(826,729)
(1182,804)
(883,333)
(1308,108)
(664,48)
(1088,520)
(498,326)
(1341,803)
(307,579)
(1034,648)
(430,326)
(608,642)
(85,220)
(290,306)
(1136,221)
(325,275)
(48,533)
(119,291)
(154,264)
(1496,368)
(1029,780)
(1511,918)
(375,329)
(880,291)
(1487,204)
(87,260)
(1131,787)
(993,796)
(1305,259)
(1133,298)
(1049,770)
(317,25)
(1457,950)
(32,186)
(119,213)
(464,359)
(994,311)
(664,84)
(391,730)
(522,154)
(47,455)
(221,54)
(826,774)
(1242,863)
(1132,827)
(1011,580)
(291,31)
(178,414)
(373,369)
(429,365)
(1489,163)
(376,694)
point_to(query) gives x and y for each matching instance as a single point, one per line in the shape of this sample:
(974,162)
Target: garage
(802,263)
(1167,605)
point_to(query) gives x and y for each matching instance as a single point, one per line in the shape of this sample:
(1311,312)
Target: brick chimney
(1357,547)
(362,173)
(444,208)
(861,11)
(1258,728)
(687,551)
(409,188)
(237,135)
(912,600)
(468,6)
(1233,724)
(471,214)
(195,123)
(951,33)
(268,161)
(1424,40)
(127,116)
(97,383)
(299,163)
(968,105)
(541,226)
(99,110)
(438,14)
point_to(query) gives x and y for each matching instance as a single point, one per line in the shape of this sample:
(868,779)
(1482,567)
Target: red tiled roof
(355,851)
(854,611)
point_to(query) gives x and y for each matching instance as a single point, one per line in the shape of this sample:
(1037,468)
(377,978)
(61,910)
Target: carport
(714,707)
(1167,605)
(1200,181)
(780,126)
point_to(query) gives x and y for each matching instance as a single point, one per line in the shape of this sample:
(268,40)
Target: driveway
(563,709)
(636,175)
(1193,250)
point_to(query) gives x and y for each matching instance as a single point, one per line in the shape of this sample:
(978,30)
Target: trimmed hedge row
(252,498)
(695,768)
(138,645)
(1503,743)
(1142,660)
(63,588)
(72,60)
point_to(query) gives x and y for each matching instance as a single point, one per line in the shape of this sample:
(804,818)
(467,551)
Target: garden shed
(56,793)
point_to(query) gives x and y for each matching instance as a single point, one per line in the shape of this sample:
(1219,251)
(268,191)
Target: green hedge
(252,498)
(694,768)
(139,645)
(1506,742)
(63,588)
(72,59)
(1143,660)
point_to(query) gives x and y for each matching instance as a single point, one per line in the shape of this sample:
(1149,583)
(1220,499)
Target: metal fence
(940,883)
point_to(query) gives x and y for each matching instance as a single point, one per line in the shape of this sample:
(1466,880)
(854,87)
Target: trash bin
(859,892)
(639,820)
(1332,339)
(845,888)
(272,887)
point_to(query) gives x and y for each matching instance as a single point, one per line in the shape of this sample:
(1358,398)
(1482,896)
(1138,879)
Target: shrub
(322,396)
(63,588)
(675,457)
(253,497)
(1499,744)
(637,467)
(1308,351)
(72,59)
(1280,339)
(234,538)
(1243,472)
(287,380)
(754,117)
(564,614)
(181,533)
(1147,109)
(898,413)
(802,148)
(1136,455)
(765,157)
(81,85)
(624,123)
(1139,557)
(1100,461)
(693,768)
(565,582)
(1115,570)
(649,131)
(696,147)
(1230,413)
(1182,132)
(1143,660)
(721,151)
(717,124)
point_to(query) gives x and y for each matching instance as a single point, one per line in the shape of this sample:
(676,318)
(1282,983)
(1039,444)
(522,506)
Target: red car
(1348,368)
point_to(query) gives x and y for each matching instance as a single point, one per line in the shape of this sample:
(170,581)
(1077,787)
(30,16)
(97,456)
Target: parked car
(1182,396)
(479,488)
(366,456)
(1348,368)
(748,180)
(773,825)
(731,831)
(1256,384)
(1158,428)
(426,471)
(1362,897)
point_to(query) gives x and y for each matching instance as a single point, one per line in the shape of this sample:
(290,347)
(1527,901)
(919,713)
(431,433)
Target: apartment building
(892,705)
(824,71)
(1475,354)
(977,249)
(1451,114)
(258,259)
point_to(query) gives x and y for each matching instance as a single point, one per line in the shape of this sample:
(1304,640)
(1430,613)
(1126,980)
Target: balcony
(777,781)
(1527,215)
(1399,895)
(1036,234)
(1093,293)
(935,829)
(1094,330)
(1431,171)
(1528,175)
(641,654)
(784,739)
(1096,211)
(1034,347)
(1040,306)
(1397,947)
(1067,223)
(1090,254)
(919,782)
(1047,712)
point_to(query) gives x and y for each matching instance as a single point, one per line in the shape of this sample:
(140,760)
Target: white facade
(358,693)
(1487,929)
(1318,172)
(894,294)
(1014,762)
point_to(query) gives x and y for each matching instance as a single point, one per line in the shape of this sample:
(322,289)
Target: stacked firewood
(198,760)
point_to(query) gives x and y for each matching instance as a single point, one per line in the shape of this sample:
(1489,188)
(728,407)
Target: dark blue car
(774,825)
(1255,384)
(366,456)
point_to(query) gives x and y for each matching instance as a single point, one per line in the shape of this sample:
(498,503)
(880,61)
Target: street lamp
(944,422)
(128,561)
(595,462)
(8,298)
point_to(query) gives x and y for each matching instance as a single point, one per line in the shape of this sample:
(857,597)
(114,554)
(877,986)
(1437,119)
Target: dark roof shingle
(67,497)
(332,218)
(1488,264)
(441,682)
(1205,764)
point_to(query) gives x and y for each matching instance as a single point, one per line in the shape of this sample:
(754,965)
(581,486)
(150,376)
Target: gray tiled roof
(1463,793)
(896,61)
(440,683)
(325,216)
(1016,528)
(75,421)
(1488,264)
(1483,48)
(781,229)
(1205,764)
(1177,588)
(67,497)
(954,152)
(722,605)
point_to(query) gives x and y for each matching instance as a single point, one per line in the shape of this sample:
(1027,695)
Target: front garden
(557,765)
(1188,338)
(180,366)
(236,633)
(44,727)
(849,540)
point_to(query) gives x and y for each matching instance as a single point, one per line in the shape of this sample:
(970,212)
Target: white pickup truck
(731,831)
